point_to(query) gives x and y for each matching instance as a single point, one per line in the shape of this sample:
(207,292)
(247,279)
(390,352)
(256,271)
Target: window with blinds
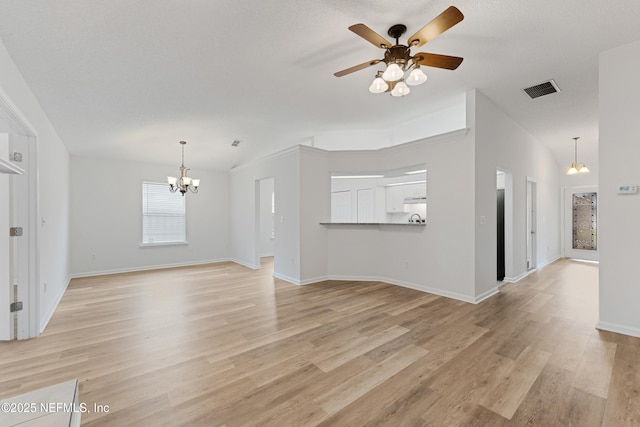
(163,215)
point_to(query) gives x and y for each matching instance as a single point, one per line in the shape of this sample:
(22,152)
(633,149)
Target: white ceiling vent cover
(542,89)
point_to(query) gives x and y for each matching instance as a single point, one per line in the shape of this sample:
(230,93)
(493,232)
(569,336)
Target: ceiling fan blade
(438,61)
(437,26)
(357,68)
(371,36)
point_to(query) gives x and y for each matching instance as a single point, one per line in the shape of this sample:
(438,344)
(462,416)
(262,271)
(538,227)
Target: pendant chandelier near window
(575,166)
(183,183)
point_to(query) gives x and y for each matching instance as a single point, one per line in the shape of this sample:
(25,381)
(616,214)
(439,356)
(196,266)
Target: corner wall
(619,151)
(437,258)
(284,167)
(503,143)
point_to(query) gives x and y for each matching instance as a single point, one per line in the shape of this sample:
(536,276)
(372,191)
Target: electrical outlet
(406,265)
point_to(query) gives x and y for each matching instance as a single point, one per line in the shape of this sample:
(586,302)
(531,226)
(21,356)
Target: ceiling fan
(398,57)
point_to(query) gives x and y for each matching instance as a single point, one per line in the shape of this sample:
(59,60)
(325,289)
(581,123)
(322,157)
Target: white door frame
(567,224)
(509,267)
(25,207)
(257,219)
(531,239)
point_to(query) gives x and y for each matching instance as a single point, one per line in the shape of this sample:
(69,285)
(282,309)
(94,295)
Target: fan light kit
(398,58)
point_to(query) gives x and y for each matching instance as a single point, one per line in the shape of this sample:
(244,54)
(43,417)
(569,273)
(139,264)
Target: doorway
(531,224)
(504,226)
(580,219)
(265,219)
(500,234)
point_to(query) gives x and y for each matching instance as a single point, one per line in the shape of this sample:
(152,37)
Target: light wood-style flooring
(223,345)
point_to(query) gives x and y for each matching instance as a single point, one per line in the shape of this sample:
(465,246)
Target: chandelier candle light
(575,166)
(183,183)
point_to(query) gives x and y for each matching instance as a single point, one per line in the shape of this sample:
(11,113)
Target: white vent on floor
(542,89)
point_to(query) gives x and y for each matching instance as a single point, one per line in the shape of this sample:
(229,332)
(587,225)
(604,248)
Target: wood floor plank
(348,391)
(224,345)
(509,390)
(623,402)
(594,371)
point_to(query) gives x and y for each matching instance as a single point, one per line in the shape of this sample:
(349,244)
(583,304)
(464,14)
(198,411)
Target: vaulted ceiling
(129,79)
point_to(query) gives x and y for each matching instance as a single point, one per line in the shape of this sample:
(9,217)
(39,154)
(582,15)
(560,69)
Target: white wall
(53,189)
(454,255)
(450,117)
(503,144)
(619,151)
(106,214)
(436,258)
(284,167)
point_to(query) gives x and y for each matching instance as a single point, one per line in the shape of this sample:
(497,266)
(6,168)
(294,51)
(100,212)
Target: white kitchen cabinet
(395,199)
(415,190)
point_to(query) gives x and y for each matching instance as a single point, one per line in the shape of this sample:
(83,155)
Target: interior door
(580,236)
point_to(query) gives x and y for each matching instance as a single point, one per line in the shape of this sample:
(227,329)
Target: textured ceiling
(128,79)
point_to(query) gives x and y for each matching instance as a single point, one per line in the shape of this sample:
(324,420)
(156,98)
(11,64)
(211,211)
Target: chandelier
(575,166)
(183,183)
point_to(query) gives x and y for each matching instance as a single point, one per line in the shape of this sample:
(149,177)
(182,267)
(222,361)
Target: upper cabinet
(395,198)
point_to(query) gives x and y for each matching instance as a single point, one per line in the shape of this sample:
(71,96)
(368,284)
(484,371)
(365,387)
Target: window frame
(144,215)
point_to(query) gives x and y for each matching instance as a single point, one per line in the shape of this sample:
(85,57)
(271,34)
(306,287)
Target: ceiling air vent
(542,89)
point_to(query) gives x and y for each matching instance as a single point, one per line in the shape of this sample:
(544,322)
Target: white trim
(518,277)
(618,329)
(44,320)
(417,287)
(405,145)
(526,273)
(289,279)
(543,265)
(10,168)
(245,264)
(277,154)
(148,267)
(488,294)
(146,245)
(15,115)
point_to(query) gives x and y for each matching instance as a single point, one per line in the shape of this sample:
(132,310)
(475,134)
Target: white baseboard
(44,320)
(619,329)
(149,267)
(518,277)
(483,296)
(544,264)
(526,273)
(246,264)
(417,287)
(289,279)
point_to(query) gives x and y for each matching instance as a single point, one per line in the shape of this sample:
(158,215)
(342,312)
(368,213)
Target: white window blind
(163,215)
